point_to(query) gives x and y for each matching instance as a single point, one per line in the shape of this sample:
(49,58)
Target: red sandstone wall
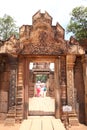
(79,85)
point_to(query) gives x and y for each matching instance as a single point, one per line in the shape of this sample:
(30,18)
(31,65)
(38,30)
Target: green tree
(7,27)
(78,23)
(42,78)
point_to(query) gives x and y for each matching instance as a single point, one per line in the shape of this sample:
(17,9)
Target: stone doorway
(41,89)
(30,79)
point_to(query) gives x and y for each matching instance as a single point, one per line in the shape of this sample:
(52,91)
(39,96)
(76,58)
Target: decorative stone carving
(12,88)
(74,47)
(63,79)
(50,49)
(70,88)
(62,70)
(43,42)
(42,37)
(70,81)
(42,17)
(11,46)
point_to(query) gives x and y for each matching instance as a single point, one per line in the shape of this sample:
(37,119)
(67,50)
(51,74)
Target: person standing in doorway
(38,88)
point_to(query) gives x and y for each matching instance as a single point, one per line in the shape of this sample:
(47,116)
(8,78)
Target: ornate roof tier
(41,38)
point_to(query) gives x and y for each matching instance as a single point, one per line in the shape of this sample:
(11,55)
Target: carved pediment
(11,46)
(41,38)
(44,48)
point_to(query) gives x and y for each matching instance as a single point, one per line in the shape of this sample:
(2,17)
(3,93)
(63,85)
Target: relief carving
(74,47)
(42,37)
(43,42)
(12,88)
(39,48)
(70,80)
(12,46)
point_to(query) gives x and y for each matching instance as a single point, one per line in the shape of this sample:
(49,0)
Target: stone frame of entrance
(54,59)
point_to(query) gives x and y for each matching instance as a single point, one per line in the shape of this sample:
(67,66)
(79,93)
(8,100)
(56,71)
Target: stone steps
(42,123)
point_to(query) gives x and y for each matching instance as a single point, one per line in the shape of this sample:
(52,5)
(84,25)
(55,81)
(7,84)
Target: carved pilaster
(12,87)
(20,91)
(57,90)
(70,59)
(63,79)
(51,85)
(84,61)
(12,93)
(26,84)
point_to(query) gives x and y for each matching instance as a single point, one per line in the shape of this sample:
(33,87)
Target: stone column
(12,85)
(84,61)
(57,90)
(63,80)
(12,88)
(70,59)
(26,84)
(51,85)
(20,90)
(10,119)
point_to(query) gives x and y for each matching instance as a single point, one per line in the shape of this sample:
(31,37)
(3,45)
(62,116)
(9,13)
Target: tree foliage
(42,78)
(7,27)
(78,23)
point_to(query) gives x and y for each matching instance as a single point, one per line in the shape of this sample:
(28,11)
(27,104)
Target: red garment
(38,91)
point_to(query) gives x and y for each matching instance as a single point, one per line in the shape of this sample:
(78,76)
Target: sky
(23,10)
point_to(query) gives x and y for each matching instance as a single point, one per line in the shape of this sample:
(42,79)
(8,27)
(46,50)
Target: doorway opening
(41,85)
(41,88)
(41,79)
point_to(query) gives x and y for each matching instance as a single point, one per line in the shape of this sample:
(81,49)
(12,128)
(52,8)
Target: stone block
(3,107)
(3,96)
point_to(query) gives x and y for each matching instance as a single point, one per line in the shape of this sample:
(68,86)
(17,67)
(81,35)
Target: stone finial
(45,16)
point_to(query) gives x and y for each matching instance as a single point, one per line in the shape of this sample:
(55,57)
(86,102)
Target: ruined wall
(79,85)
(4,88)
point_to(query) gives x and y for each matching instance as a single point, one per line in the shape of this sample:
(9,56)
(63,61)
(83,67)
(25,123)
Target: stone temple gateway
(42,44)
